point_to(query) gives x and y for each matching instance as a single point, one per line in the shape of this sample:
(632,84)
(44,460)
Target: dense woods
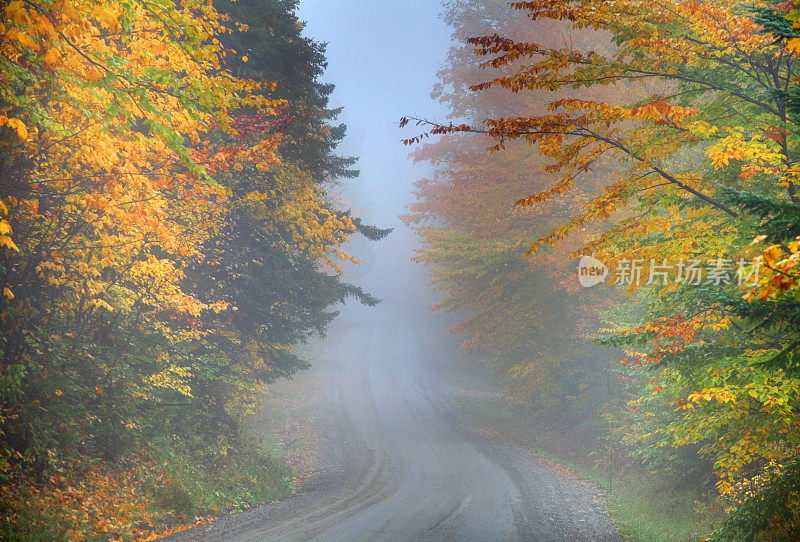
(660,138)
(167,241)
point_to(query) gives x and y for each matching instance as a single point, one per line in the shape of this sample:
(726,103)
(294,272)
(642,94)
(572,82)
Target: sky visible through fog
(383,56)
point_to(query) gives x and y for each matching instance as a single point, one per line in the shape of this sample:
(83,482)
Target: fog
(396,459)
(212,325)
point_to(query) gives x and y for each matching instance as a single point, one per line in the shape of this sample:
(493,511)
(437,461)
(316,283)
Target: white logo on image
(591,271)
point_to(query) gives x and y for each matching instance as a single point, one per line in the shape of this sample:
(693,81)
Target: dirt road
(398,462)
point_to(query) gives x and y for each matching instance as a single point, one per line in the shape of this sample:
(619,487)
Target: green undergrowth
(220,477)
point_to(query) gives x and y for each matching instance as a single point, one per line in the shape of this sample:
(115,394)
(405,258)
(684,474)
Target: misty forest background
(169,238)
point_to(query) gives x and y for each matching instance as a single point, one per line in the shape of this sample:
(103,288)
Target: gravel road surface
(399,461)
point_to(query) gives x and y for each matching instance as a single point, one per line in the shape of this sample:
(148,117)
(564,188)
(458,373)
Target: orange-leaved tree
(696,150)
(154,238)
(473,239)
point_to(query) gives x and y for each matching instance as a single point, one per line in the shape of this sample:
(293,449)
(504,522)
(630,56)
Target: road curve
(402,465)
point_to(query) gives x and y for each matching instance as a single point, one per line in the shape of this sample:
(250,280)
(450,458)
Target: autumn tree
(276,258)
(474,239)
(166,240)
(688,119)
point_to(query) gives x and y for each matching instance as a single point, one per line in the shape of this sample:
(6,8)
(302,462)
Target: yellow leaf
(6,241)
(772,254)
(102,303)
(8,293)
(52,56)
(15,11)
(19,127)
